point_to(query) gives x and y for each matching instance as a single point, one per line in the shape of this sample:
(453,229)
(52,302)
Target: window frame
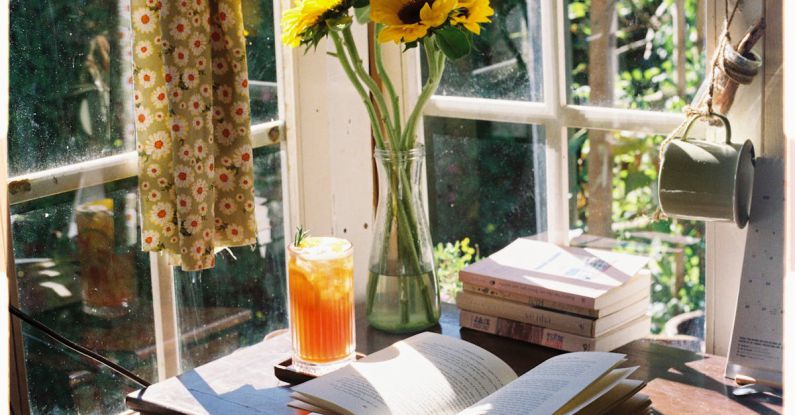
(102,170)
(557,115)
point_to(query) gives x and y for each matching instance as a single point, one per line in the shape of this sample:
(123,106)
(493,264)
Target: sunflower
(471,13)
(304,16)
(409,20)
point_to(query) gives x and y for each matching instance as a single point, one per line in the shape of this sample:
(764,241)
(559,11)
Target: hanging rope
(704,108)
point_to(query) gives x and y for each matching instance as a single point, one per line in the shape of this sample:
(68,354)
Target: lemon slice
(323,248)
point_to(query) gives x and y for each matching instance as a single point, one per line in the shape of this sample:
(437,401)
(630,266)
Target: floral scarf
(193,128)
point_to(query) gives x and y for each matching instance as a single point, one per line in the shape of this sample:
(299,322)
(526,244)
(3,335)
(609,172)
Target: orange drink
(320,273)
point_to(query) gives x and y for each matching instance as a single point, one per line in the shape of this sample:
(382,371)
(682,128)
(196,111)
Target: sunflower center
(410,13)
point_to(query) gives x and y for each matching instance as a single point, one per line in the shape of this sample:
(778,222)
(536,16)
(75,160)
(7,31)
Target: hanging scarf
(193,128)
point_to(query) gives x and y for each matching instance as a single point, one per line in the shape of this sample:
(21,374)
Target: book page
(613,398)
(589,267)
(549,386)
(597,389)
(424,374)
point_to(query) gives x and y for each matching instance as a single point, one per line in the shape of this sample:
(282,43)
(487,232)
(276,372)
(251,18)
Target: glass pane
(613,188)
(69,92)
(244,296)
(261,54)
(506,60)
(81,271)
(636,54)
(485,184)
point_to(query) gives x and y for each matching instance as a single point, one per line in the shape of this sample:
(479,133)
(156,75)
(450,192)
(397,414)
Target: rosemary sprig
(300,235)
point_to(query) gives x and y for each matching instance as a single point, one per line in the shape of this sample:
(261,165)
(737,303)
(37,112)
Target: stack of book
(566,298)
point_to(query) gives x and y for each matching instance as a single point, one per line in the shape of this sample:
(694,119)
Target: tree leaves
(454,42)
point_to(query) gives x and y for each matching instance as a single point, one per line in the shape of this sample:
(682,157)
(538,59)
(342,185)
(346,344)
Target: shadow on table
(688,368)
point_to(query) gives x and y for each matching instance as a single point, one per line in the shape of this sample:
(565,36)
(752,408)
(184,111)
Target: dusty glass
(613,188)
(60,284)
(505,62)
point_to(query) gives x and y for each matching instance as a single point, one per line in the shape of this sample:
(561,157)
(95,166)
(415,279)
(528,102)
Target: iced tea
(321,304)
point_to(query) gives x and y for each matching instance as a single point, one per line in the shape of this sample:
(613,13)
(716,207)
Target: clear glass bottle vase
(402,291)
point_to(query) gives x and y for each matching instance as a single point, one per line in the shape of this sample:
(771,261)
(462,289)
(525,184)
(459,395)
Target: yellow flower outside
(472,13)
(409,20)
(303,16)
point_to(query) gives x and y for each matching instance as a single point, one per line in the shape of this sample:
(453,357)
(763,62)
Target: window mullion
(164,306)
(557,181)
(487,109)
(106,169)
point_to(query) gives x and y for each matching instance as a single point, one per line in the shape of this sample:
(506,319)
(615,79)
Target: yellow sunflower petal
(386,11)
(304,15)
(405,33)
(436,15)
(472,13)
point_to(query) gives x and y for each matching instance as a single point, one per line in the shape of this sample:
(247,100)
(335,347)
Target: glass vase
(402,293)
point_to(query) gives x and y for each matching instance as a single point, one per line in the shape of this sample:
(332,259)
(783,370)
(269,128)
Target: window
(74,199)
(543,103)
(560,111)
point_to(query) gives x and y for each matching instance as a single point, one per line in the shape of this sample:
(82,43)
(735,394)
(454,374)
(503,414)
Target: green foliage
(454,41)
(449,259)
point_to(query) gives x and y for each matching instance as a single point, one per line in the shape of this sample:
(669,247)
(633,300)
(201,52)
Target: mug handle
(726,126)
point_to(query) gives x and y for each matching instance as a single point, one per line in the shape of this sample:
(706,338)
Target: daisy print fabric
(193,128)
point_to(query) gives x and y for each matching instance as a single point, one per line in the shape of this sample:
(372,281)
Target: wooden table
(679,381)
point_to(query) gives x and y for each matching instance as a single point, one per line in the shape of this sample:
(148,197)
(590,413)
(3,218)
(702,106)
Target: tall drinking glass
(320,274)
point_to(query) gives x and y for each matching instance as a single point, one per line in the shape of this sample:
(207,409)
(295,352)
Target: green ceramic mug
(707,181)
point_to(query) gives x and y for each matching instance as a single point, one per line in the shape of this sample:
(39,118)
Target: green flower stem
(390,87)
(436,63)
(358,66)
(346,66)
(408,234)
(411,218)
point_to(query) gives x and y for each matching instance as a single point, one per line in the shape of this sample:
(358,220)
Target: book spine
(527,332)
(525,289)
(532,301)
(568,323)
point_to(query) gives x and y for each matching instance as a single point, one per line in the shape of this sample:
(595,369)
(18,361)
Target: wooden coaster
(285,372)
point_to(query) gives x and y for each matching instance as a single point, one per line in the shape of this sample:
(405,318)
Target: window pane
(69,67)
(261,55)
(243,297)
(613,188)
(635,54)
(71,93)
(81,272)
(506,60)
(485,183)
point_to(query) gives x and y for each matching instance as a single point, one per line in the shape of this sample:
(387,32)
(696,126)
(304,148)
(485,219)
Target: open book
(434,374)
